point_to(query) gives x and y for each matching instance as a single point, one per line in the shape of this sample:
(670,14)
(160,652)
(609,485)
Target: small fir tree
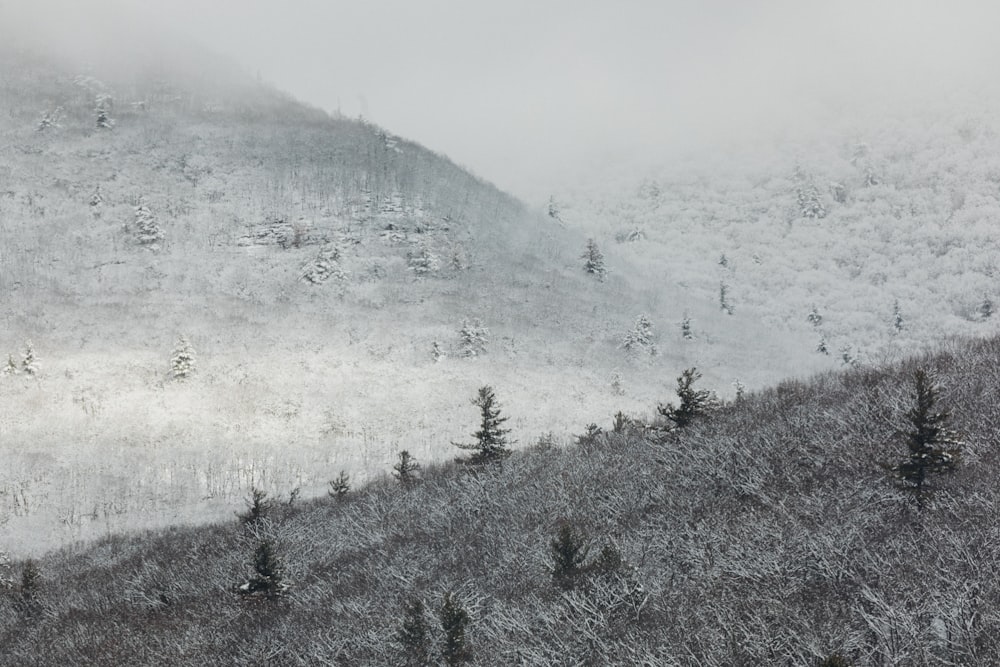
(568,551)
(259,506)
(814,318)
(694,403)
(686,332)
(422,261)
(406,470)
(593,260)
(11,368)
(822,347)
(147,231)
(897,317)
(491,439)
(473,338)
(268,578)
(724,303)
(103,106)
(640,336)
(986,308)
(29,362)
(414,635)
(182,360)
(810,204)
(340,486)
(454,621)
(31,581)
(933,448)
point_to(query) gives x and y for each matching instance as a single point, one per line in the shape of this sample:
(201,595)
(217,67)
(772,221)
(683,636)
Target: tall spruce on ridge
(933,448)
(491,438)
(694,403)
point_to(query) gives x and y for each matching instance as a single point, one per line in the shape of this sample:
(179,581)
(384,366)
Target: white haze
(526,92)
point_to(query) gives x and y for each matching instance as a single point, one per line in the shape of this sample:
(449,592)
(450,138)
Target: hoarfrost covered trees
(932,447)
(594,260)
(324,266)
(147,231)
(422,261)
(182,360)
(491,439)
(694,403)
(103,106)
(640,337)
(473,337)
(29,362)
(810,204)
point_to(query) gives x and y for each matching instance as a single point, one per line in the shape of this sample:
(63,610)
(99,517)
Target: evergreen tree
(694,403)
(268,579)
(414,635)
(103,106)
(147,230)
(324,266)
(454,620)
(593,260)
(406,469)
(31,581)
(640,337)
(29,362)
(724,303)
(340,486)
(986,308)
(568,551)
(932,447)
(11,368)
(258,507)
(686,332)
(897,317)
(423,261)
(473,338)
(810,204)
(814,318)
(491,438)
(182,361)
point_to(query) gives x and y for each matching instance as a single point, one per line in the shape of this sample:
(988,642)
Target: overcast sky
(522,90)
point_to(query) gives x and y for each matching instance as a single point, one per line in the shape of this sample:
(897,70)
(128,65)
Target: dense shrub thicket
(768,533)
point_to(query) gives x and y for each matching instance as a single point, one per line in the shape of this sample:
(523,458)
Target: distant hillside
(770,532)
(875,235)
(344,292)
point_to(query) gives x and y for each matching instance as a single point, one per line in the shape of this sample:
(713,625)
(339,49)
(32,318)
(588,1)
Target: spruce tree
(406,469)
(454,620)
(147,230)
(933,448)
(414,635)
(491,438)
(694,403)
(568,551)
(182,361)
(29,362)
(268,580)
(340,486)
(593,260)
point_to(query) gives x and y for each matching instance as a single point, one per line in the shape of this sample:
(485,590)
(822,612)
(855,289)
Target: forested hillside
(787,527)
(208,285)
